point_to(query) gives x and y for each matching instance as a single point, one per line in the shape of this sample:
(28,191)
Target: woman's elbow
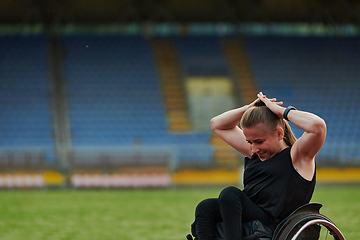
(213,123)
(319,126)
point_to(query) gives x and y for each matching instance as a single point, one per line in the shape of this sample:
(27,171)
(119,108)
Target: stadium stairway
(241,69)
(246,90)
(224,154)
(171,85)
(201,59)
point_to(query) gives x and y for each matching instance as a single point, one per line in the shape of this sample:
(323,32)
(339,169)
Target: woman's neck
(283,146)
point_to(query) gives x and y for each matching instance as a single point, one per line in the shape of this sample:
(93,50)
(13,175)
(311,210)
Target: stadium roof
(110,11)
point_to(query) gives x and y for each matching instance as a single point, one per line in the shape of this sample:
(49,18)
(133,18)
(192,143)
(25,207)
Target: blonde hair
(261,114)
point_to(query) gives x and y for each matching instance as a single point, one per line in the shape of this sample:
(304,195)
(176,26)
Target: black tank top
(275,185)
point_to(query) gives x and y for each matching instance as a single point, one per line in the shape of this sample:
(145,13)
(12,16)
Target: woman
(279,173)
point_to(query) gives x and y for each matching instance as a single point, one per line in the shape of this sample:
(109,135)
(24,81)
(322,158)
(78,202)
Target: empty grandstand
(130,108)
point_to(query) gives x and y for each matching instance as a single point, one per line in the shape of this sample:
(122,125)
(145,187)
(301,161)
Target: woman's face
(264,141)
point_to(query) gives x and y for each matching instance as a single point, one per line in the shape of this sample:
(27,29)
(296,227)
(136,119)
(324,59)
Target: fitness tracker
(287,110)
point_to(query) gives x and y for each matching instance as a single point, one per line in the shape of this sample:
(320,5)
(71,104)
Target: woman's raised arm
(226,127)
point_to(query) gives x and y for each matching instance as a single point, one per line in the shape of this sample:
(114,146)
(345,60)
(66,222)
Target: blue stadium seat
(201,55)
(24,101)
(115,99)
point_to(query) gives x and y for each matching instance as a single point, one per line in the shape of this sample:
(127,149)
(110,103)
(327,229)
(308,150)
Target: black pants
(233,208)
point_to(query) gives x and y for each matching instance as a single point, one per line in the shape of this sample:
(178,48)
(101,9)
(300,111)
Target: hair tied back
(259,103)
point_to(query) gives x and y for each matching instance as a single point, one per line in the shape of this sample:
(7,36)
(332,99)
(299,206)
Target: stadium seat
(25,102)
(199,55)
(115,99)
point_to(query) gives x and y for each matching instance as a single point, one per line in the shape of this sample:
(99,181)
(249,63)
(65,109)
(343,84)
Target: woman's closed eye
(256,141)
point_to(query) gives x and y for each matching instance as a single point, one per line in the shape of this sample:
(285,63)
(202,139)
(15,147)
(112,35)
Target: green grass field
(160,214)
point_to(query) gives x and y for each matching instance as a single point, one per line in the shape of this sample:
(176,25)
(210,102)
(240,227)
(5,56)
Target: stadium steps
(241,69)
(172,88)
(61,121)
(224,154)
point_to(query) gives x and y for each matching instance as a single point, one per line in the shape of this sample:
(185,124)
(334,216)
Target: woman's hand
(274,106)
(252,104)
(258,100)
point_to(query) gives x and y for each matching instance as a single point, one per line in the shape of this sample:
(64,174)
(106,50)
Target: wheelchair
(305,223)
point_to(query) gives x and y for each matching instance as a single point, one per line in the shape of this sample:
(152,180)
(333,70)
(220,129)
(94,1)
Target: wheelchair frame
(294,227)
(301,219)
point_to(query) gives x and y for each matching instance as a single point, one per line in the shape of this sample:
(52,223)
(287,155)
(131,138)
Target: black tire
(308,227)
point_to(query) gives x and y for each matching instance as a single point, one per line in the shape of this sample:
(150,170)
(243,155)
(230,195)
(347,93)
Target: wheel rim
(329,225)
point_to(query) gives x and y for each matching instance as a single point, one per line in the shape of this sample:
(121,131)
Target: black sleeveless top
(275,186)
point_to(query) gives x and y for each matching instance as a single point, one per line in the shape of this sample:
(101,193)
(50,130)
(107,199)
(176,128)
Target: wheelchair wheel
(311,227)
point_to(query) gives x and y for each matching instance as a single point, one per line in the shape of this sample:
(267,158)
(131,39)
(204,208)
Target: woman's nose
(254,149)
